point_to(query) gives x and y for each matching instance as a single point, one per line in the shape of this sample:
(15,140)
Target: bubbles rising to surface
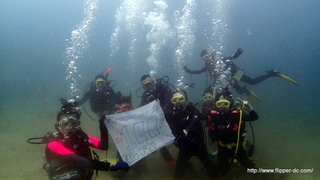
(79,43)
(222,75)
(185,28)
(159,34)
(128,20)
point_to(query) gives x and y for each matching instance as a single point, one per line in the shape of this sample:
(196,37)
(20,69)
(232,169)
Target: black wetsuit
(193,144)
(102,101)
(224,128)
(227,60)
(161,92)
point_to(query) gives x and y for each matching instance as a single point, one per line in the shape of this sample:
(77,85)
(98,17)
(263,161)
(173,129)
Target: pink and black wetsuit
(70,157)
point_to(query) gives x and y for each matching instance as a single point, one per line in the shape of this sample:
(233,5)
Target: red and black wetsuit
(224,128)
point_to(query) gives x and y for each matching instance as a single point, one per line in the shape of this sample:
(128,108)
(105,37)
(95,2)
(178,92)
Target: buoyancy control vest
(224,126)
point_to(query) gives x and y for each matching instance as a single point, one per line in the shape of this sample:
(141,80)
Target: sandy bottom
(282,146)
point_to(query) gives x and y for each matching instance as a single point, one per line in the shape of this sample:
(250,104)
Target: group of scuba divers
(68,153)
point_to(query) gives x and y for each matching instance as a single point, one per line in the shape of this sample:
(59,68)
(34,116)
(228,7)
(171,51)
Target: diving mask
(148,85)
(69,123)
(206,57)
(208,97)
(178,99)
(100,83)
(125,107)
(223,104)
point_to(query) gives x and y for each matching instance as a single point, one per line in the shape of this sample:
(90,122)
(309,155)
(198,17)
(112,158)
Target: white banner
(139,132)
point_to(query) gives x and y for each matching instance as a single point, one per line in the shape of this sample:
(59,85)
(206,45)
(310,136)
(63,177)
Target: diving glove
(120,165)
(101,165)
(180,138)
(246,105)
(238,53)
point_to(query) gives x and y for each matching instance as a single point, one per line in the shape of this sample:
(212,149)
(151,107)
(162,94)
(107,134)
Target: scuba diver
(101,95)
(236,73)
(158,89)
(125,104)
(68,153)
(227,122)
(208,102)
(187,129)
(103,99)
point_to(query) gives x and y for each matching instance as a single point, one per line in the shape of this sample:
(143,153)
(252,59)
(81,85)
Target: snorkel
(108,72)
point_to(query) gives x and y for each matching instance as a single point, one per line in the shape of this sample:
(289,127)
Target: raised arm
(235,55)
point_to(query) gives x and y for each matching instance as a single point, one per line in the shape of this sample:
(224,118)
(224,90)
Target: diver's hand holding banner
(139,132)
